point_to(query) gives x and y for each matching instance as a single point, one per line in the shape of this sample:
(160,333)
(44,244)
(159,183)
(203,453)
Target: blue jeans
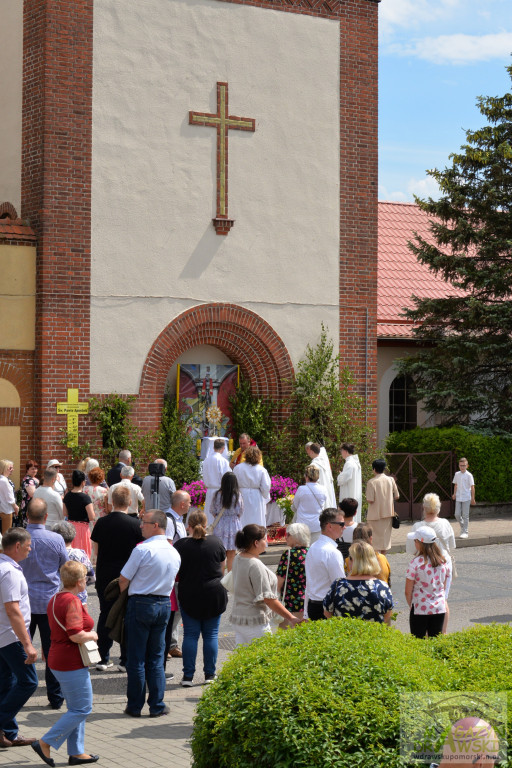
(145,624)
(18,681)
(192,628)
(77,689)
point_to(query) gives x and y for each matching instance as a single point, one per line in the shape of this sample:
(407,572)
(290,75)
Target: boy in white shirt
(349,508)
(464,496)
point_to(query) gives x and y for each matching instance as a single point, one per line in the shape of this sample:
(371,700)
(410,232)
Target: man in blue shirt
(18,676)
(149,578)
(41,569)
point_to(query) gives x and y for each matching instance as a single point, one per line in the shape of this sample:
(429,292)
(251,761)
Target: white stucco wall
(155,252)
(11,64)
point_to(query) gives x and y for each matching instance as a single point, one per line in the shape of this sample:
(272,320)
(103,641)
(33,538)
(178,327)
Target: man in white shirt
(52,499)
(350,480)
(127,474)
(324,564)
(214,467)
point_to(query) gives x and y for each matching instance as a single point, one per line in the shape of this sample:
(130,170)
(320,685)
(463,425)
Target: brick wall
(56,198)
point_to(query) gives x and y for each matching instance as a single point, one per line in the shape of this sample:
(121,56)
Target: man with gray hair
(53,500)
(18,676)
(126,481)
(114,474)
(166,488)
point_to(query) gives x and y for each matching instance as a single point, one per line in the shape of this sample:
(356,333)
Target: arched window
(403,410)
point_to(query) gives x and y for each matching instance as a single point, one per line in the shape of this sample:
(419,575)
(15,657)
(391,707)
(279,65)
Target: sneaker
(169,676)
(120,668)
(104,666)
(209,679)
(464,536)
(187,682)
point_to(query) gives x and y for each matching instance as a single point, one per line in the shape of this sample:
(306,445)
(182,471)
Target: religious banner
(203,397)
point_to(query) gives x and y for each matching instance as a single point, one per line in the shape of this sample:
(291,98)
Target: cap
(53,463)
(424,534)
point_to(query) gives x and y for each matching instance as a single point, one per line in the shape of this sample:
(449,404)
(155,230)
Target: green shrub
(327,694)
(489,456)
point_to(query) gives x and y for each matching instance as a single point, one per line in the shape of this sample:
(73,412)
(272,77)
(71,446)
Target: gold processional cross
(222,121)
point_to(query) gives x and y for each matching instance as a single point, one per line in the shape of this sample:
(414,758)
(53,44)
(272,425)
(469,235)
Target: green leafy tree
(175,445)
(463,370)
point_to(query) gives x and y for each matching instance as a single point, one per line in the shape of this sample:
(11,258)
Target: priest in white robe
(319,459)
(350,480)
(214,467)
(254,484)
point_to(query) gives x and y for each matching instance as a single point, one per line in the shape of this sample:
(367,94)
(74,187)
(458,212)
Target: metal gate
(419,473)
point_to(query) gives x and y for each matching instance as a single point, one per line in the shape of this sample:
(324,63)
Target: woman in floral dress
(28,486)
(291,571)
(229,501)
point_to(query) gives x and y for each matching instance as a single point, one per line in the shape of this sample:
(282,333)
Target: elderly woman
(361,595)
(291,571)
(254,588)
(28,486)
(445,539)
(309,501)
(78,509)
(8,506)
(68,533)
(70,625)
(254,482)
(202,597)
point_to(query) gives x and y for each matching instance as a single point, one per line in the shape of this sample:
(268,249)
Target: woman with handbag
(201,596)
(226,509)
(70,626)
(291,571)
(309,501)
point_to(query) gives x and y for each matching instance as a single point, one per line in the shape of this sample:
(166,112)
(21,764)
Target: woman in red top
(70,624)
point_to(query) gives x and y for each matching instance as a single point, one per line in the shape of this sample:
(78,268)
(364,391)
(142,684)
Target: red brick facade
(18,368)
(241,334)
(56,197)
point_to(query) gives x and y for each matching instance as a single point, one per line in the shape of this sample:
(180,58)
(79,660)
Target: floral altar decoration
(197,492)
(282,492)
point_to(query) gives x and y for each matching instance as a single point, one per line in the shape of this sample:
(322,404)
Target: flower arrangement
(281,487)
(285,504)
(197,491)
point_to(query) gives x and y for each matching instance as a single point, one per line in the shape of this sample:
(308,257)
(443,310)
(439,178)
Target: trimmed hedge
(489,456)
(327,693)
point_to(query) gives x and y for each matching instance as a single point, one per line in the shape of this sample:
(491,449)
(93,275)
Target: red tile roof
(399,273)
(16,229)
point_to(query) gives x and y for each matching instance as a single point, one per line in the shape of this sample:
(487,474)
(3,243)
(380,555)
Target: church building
(181,181)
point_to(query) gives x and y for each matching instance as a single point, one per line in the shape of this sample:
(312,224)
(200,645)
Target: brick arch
(242,335)
(8,209)
(17,376)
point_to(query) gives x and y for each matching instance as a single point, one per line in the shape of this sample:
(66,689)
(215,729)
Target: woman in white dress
(309,502)
(445,539)
(254,484)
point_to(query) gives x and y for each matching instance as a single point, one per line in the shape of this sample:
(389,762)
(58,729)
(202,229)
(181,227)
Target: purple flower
(197,492)
(281,487)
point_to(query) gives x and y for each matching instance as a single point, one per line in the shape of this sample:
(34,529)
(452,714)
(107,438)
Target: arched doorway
(10,426)
(241,335)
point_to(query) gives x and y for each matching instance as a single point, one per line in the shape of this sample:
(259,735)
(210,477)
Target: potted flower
(197,492)
(279,508)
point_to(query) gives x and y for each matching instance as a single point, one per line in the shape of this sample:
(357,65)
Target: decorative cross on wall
(222,121)
(72,408)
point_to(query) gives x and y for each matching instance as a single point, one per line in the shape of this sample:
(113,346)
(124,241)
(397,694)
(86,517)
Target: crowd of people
(155,564)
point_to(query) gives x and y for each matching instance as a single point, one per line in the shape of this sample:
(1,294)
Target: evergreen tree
(463,370)
(176,446)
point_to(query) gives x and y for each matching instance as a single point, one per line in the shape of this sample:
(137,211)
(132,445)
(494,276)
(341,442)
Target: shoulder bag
(211,528)
(89,652)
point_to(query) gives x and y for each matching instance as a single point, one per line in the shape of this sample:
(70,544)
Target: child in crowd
(349,509)
(464,496)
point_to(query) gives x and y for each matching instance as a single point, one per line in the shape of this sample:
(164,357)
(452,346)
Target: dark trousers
(315,610)
(421,626)
(104,641)
(53,691)
(168,636)
(18,681)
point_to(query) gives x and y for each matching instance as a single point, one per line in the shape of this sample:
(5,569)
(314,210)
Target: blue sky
(436,58)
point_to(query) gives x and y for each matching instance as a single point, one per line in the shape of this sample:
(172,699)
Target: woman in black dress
(79,510)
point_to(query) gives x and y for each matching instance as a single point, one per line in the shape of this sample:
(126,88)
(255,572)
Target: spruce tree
(463,366)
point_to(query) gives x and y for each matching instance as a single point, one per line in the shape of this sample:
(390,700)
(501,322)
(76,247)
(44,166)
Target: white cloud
(395,197)
(412,13)
(458,49)
(426,187)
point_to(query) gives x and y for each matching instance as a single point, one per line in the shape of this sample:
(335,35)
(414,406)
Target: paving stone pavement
(142,743)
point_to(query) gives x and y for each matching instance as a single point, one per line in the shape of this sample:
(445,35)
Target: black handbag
(395,521)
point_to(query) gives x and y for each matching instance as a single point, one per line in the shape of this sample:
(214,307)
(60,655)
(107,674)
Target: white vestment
(214,467)
(321,462)
(350,483)
(254,483)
